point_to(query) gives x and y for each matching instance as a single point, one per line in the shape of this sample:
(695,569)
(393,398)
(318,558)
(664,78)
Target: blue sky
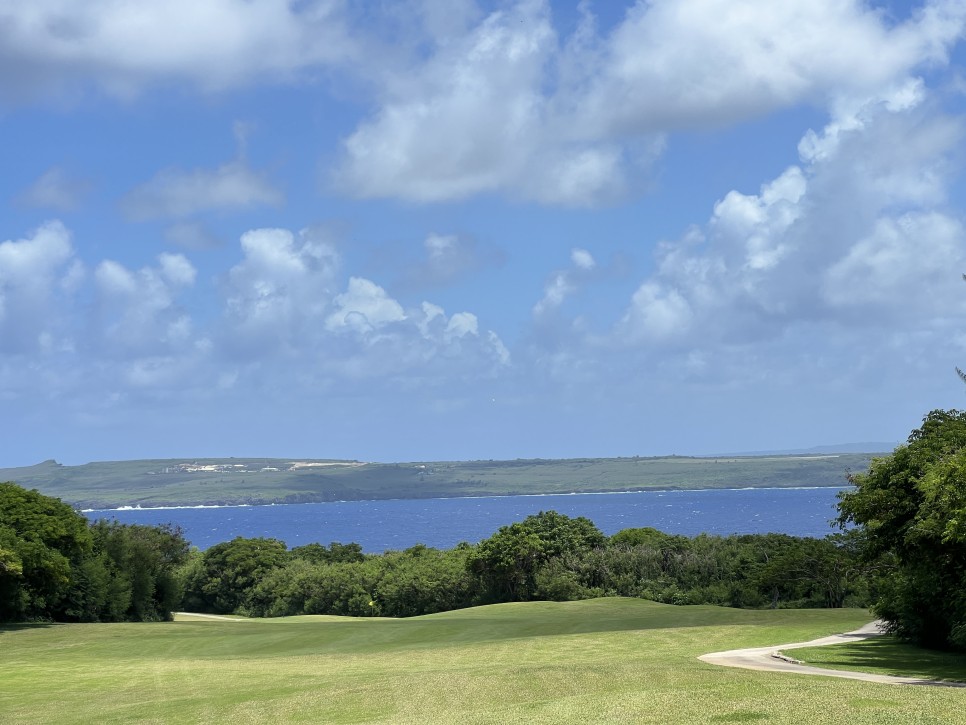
(450,230)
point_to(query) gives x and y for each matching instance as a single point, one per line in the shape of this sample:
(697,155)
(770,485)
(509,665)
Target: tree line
(548,556)
(903,554)
(57,566)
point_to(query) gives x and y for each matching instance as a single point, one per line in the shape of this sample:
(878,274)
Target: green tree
(42,540)
(141,563)
(335,553)
(912,506)
(507,563)
(230,571)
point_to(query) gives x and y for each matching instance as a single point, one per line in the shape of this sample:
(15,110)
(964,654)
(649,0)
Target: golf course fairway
(605,660)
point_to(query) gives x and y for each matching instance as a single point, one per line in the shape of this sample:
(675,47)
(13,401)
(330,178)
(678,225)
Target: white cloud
(463,123)
(282,306)
(139,313)
(416,346)
(555,291)
(462,324)
(59,45)
(857,237)
(582,259)
(675,63)
(176,193)
(285,326)
(57,190)
(656,313)
(472,102)
(364,307)
(35,276)
(509,107)
(565,282)
(907,266)
(279,292)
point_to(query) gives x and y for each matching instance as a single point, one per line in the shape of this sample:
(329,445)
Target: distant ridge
(866,447)
(255,481)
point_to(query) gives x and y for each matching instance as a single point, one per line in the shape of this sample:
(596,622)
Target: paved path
(769,658)
(212,616)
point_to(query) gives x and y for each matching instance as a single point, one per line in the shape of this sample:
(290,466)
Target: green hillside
(605,660)
(190,482)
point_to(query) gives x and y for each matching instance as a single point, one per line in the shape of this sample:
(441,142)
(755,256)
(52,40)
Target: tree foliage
(548,556)
(912,507)
(508,562)
(222,580)
(54,565)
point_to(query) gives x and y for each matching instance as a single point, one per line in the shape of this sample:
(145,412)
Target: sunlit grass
(608,660)
(886,656)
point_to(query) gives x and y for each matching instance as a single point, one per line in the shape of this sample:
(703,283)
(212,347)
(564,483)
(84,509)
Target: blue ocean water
(444,522)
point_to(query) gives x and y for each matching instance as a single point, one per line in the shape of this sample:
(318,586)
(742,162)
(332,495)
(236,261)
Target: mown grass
(887,656)
(608,660)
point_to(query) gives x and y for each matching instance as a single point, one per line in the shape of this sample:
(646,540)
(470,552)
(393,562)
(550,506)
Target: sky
(447,229)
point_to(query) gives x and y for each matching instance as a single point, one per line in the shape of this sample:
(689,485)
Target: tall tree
(230,571)
(912,506)
(507,563)
(42,541)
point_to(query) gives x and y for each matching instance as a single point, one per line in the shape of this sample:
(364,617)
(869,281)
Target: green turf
(887,656)
(264,480)
(609,660)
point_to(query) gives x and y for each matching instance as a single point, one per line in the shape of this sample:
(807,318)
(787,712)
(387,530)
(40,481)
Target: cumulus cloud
(904,267)
(57,45)
(286,300)
(470,101)
(856,237)
(565,282)
(508,106)
(37,276)
(281,288)
(674,63)
(290,320)
(56,190)
(177,193)
(139,312)
(364,307)
(464,122)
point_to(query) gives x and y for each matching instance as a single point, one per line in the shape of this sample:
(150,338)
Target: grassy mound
(607,660)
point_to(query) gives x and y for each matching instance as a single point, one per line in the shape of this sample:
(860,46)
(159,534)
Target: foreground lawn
(886,656)
(606,660)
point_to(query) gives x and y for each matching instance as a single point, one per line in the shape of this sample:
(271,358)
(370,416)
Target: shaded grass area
(887,656)
(608,660)
(161,482)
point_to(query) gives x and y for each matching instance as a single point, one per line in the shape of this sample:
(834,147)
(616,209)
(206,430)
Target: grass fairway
(605,660)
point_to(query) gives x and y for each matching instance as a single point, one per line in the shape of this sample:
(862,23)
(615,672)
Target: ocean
(443,522)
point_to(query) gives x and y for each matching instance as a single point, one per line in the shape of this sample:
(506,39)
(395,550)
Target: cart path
(212,616)
(770,659)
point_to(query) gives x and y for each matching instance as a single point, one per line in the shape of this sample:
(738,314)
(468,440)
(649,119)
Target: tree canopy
(508,562)
(56,566)
(912,507)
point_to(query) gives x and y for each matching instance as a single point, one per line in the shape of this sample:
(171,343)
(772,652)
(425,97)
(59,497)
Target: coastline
(175,507)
